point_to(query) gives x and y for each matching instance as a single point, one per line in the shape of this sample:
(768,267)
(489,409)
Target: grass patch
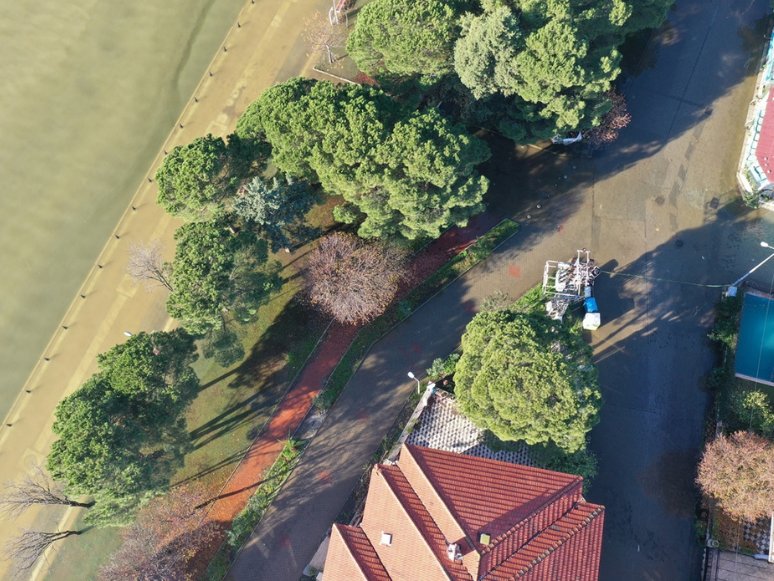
(233,405)
(396,312)
(246,521)
(724,334)
(234,402)
(237,401)
(83,558)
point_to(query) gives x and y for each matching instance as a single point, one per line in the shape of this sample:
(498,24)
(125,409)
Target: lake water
(89,90)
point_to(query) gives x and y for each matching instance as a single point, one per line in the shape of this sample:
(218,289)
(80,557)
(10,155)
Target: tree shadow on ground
(702,56)
(265,371)
(203,472)
(653,356)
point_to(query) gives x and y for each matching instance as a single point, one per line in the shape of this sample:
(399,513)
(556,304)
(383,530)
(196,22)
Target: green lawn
(235,402)
(232,406)
(79,558)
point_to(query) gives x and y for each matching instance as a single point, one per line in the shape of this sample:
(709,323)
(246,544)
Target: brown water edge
(89,90)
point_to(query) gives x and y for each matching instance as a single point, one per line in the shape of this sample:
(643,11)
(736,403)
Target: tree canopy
(396,41)
(738,471)
(191,179)
(276,210)
(554,62)
(485,56)
(401,172)
(215,272)
(352,280)
(525,377)
(122,434)
(167,535)
(529,68)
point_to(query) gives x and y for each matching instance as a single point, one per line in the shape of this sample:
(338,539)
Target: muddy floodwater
(89,90)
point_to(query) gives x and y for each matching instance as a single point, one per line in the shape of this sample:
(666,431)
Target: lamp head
(765,244)
(411,375)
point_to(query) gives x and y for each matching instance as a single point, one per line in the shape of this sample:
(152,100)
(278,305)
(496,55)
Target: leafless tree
(165,537)
(35,487)
(26,548)
(616,119)
(146,265)
(351,279)
(738,471)
(322,37)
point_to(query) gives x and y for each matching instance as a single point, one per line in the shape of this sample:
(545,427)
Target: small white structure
(565,283)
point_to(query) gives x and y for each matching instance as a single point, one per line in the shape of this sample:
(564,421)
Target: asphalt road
(642,207)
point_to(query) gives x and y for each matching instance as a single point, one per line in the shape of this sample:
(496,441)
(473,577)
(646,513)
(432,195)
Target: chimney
(453,552)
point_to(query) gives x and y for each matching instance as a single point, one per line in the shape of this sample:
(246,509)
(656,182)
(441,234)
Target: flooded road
(89,90)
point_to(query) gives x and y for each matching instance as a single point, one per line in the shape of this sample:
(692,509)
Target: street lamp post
(414,377)
(731,292)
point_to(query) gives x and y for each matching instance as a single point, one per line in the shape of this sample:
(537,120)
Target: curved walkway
(290,412)
(645,206)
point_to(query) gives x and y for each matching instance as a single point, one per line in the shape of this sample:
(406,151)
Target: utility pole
(731,292)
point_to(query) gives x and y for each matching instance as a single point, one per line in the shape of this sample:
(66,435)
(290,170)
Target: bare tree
(616,119)
(25,549)
(322,36)
(36,487)
(738,471)
(351,279)
(146,264)
(165,537)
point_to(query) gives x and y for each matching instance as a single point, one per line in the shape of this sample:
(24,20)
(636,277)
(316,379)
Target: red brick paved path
(294,406)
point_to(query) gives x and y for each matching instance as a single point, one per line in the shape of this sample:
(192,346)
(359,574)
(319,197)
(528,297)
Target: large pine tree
(401,172)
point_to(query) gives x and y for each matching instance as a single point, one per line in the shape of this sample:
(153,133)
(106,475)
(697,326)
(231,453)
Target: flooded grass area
(91,88)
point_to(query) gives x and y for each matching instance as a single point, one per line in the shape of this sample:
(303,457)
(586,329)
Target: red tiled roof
(424,522)
(489,496)
(351,556)
(567,549)
(765,148)
(409,554)
(540,526)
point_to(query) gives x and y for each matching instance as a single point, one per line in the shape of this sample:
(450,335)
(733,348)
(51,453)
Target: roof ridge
(397,495)
(379,468)
(556,545)
(346,539)
(445,501)
(526,520)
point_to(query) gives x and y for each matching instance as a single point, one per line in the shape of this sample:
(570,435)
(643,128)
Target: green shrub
(726,324)
(443,367)
(751,410)
(245,522)
(753,200)
(582,463)
(436,369)
(497,301)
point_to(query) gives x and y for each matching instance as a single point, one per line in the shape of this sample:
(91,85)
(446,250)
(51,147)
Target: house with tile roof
(755,173)
(441,516)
